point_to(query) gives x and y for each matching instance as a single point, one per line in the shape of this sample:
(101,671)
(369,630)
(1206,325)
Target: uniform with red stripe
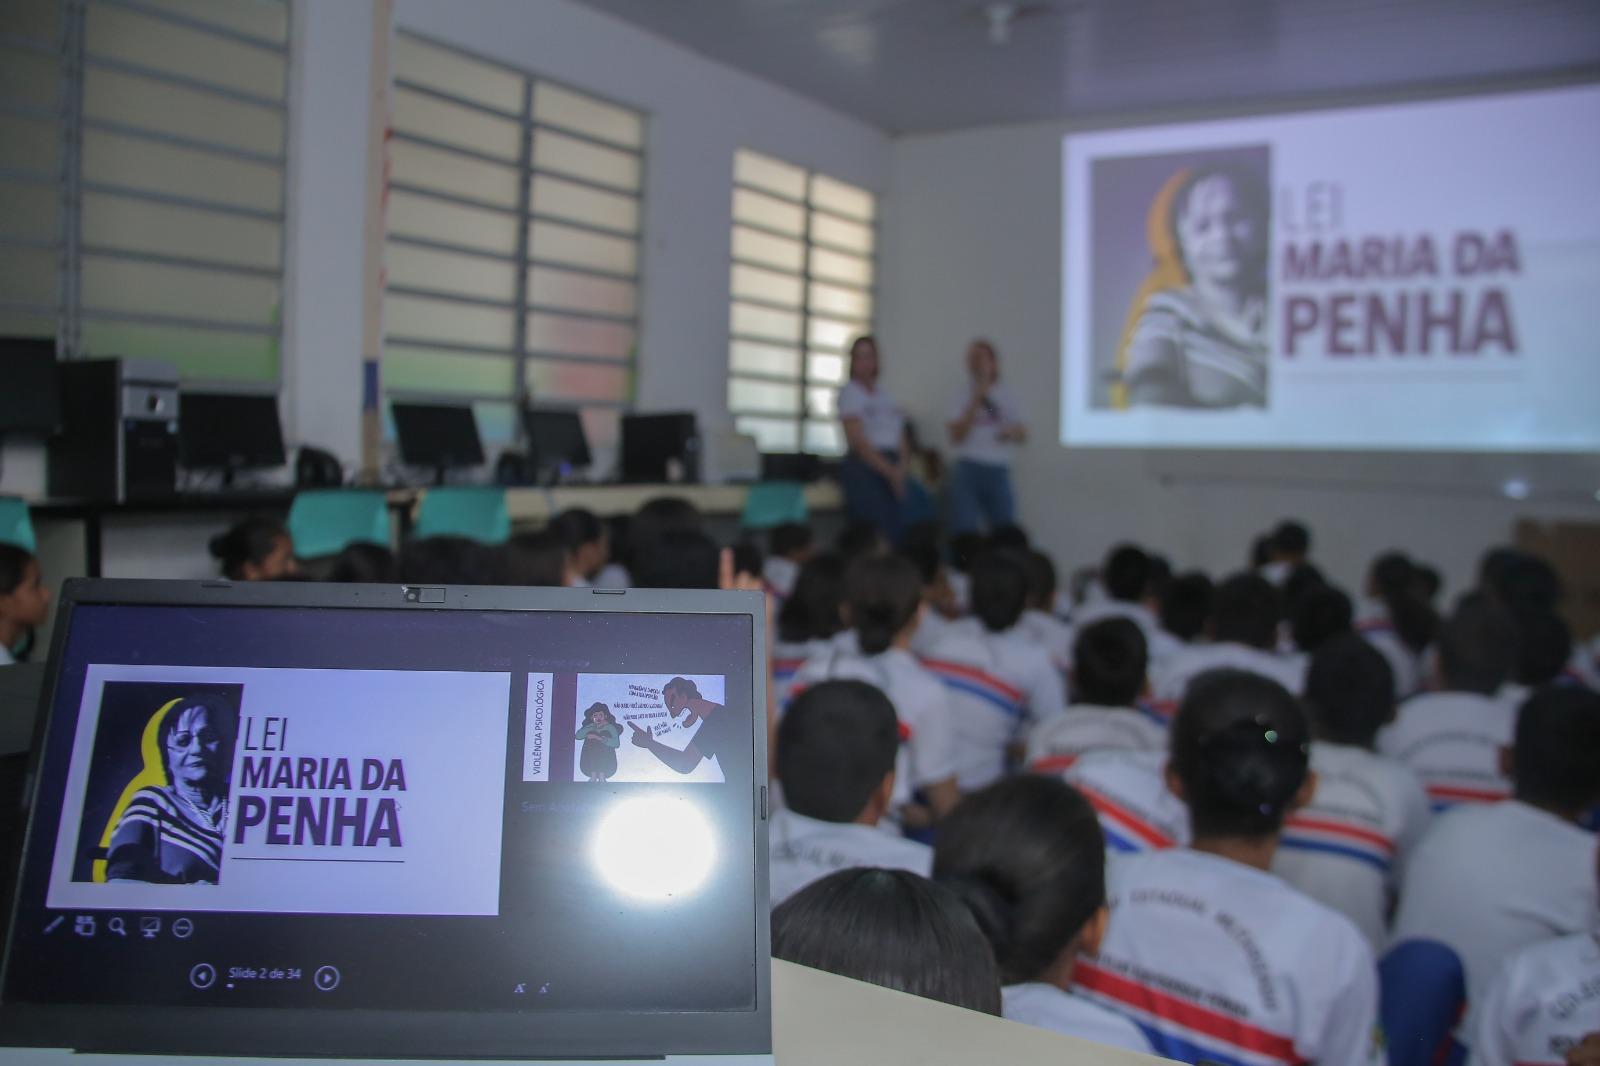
(1346,847)
(1000,685)
(1221,962)
(1452,740)
(1128,790)
(1545,1001)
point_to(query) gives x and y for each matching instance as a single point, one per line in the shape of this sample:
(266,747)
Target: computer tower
(119,431)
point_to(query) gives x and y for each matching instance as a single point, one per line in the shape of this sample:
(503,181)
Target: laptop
(396,821)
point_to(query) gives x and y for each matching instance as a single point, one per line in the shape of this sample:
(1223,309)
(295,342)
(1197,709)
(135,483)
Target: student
(676,559)
(1347,846)
(1108,675)
(1127,576)
(1397,620)
(1039,621)
(24,600)
(964,551)
(1289,548)
(584,536)
(808,620)
(1000,683)
(448,560)
(256,549)
(836,753)
(789,545)
(1487,880)
(883,600)
(985,427)
(538,558)
(619,554)
(1452,737)
(1186,606)
(940,615)
(1319,615)
(1193,928)
(1544,1003)
(364,563)
(1544,653)
(890,928)
(1244,636)
(1128,791)
(1027,856)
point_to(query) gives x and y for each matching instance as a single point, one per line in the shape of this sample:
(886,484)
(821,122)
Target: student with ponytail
(1027,856)
(256,549)
(1212,956)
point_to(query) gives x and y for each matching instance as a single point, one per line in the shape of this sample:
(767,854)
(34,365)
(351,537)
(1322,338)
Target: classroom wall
(973,247)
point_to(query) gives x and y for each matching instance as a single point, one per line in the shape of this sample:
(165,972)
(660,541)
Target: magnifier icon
(117,926)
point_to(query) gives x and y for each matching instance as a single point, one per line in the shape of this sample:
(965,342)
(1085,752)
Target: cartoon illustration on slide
(1196,332)
(600,737)
(170,821)
(681,696)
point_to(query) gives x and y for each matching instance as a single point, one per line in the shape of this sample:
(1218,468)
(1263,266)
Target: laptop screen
(330,809)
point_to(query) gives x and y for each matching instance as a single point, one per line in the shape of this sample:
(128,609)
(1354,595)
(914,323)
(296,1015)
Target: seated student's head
(1240,755)
(1291,542)
(964,551)
(1042,583)
(24,599)
(1554,762)
(1320,615)
(882,598)
(1246,610)
(791,540)
(1526,582)
(364,563)
(256,549)
(999,589)
(1109,661)
(1477,647)
(1349,691)
(922,551)
(836,749)
(664,515)
(1028,856)
(1398,583)
(1186,605)
(584,536)
(1426,582)
(1544,647)
(811,611)
(1261,551)
(1007,538)
(679,560)
(537,559)
(859,539)
(448,560)
(1126,574)
(890,928)
(1302,580)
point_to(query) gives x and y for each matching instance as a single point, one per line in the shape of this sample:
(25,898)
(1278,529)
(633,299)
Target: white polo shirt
(881,418)
(927,739)
(1545,1000)
(1217,960)
(1128,790)
(1347,847)
(805,849)
(1172,679)
(1055,746)
(1048,1007)
(1000,686)
(1453,740)
(1491,879)
(982,443)
(1051,634)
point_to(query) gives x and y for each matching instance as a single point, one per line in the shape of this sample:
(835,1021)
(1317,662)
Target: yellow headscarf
(1168,272)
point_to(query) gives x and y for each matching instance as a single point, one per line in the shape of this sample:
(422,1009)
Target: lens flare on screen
(656,848)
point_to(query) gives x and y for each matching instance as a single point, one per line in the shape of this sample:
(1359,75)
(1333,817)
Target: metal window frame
(806,312)
(525,256)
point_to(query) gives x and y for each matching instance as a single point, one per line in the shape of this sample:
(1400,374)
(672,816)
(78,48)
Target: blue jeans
(980,494)
(868,497)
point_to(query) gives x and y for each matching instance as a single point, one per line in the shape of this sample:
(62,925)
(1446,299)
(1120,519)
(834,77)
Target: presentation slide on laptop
(337,808)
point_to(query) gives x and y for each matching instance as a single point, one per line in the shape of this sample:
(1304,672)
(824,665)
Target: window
(801,291)
(513,241)
(142,161)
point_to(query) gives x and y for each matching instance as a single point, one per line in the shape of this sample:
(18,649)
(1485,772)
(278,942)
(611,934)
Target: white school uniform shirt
(804,850)
(934,627)
(787,658)
(1545,1000)
(779,574)
(1220,961)
(1050,633)
(1488,880)
(1172,679)
(1347,847)
(1377,630)
(1000,686)
(1055,746)
(982,443)
(1129,794)
(927,739)
(613,576)
(1453,740)
(881,418)
(1048,1007)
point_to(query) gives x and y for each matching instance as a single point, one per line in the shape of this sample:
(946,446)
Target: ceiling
(915,66)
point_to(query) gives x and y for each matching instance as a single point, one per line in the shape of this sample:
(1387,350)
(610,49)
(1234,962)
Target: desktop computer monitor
(556,440)
(650,443)
(441,436)
(30,402)
(229,432)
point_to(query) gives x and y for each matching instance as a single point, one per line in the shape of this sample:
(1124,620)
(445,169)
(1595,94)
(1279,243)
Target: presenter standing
(874,474)
(985,426)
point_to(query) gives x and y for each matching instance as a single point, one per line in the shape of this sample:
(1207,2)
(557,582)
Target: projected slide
(1419,276)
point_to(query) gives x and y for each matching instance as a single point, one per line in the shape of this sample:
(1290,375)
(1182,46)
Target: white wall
(973,247)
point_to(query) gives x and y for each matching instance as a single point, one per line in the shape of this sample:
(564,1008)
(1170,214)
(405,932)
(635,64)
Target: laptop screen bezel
(412,1034)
